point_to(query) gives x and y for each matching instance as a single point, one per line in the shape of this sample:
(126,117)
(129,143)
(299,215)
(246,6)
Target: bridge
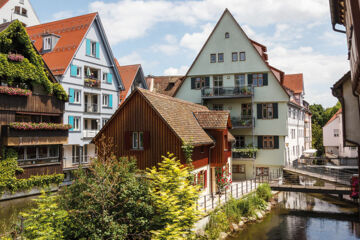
(310,189)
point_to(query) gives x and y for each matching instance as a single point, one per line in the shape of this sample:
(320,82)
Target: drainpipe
(211,182)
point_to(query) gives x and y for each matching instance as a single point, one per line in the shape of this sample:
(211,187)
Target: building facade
(79,55)
(232,73)
(21,10)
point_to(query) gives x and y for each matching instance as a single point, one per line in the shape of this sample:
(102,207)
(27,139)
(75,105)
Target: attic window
(227,35)
(21,1)
(47,43)
(24,12)
(17,10)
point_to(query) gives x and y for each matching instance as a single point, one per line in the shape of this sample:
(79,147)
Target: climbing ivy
(30,70)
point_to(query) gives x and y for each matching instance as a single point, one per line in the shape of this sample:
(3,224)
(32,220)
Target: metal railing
(91,108)
(242,122)
(92,83)
(90,133)
(218,92)
(244,153)
(75,161)
(36,161)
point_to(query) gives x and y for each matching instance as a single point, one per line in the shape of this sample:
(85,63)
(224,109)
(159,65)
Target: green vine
(30,70)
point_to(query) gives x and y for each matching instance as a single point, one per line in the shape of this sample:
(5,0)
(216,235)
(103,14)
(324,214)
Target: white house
(18,9)
(333,139)
(79,55)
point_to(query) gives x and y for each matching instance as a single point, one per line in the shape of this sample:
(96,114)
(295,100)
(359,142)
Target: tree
(110,200)
(174,197)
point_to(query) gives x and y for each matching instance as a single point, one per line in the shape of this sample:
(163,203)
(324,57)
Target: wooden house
(149,125)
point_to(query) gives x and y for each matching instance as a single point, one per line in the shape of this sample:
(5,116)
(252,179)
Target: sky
(165,36)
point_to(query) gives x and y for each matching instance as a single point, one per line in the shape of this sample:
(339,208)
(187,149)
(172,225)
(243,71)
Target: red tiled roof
(128,74)
(3,2)
(334,116)
(71,32)
(294,82)
(213,119)
(165,84)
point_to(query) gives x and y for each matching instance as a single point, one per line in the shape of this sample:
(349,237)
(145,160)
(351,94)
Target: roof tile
(294,82)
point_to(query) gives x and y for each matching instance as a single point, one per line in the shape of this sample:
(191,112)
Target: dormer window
(47,43)
(17,10)
(24,12)
(227,35)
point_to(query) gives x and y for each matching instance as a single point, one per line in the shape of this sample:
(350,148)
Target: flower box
(14,91)
(15,57)
(39,126)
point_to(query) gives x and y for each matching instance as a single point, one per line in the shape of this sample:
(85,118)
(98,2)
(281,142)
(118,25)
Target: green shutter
(250,79)
(97,50)
(265,79)
(88,47)
(71,122)
(276,111)
(260,142)
(259,111)
(192,83)
(276,142)
(109,78)
(110,100)
(73,70)
(71,95)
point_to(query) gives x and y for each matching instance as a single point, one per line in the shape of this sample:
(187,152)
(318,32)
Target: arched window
(227,35)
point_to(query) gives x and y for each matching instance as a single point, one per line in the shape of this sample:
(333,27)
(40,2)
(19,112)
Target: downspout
(211,182)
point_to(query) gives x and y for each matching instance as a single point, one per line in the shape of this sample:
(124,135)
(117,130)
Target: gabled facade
(79,55)
(231,73)
(21,10)
(31,111)
(149,125)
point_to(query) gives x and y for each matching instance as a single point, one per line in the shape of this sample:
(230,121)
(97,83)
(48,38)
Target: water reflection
(304,216)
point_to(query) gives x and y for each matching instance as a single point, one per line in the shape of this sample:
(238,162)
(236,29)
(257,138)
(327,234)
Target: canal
(306,216)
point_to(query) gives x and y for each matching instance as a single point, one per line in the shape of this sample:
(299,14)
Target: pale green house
(231,73)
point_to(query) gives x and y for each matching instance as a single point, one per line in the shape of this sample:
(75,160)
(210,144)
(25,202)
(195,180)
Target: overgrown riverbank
(233,215)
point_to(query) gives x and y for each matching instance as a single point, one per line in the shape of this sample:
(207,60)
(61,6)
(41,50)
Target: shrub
(264,192)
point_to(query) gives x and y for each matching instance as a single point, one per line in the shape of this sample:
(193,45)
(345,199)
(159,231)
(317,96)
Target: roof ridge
(61,20)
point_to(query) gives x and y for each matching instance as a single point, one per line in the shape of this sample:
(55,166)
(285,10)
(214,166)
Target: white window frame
(47,43)
(77,122)
(104,121)
(93,48)
(138,140)
(105,100)
(77,96)
(222,58)
(242,56)
(336,132)
(78,71)
(104,77)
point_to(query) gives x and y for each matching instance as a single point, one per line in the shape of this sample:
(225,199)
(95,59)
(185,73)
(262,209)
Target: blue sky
(165,36)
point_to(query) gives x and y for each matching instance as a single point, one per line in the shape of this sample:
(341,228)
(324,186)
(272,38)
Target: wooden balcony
(32,104)
(242,122)
(226,92)
(16,137)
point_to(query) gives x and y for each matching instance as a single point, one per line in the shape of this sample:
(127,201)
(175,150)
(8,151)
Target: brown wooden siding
(41,170)
(199,158)
(218,155)
(138,115)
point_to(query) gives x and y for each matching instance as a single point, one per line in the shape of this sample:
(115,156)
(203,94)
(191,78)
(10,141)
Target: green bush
(264,192)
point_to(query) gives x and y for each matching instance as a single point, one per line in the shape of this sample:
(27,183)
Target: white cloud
(176,71)
(195,41)
(171,47)
(132,58)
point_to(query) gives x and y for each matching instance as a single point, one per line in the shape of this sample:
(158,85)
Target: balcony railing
(75,161)
(92,83)
(226,92)
(90,133)
(91,108)
(241,153)
(37,161)
(242,122)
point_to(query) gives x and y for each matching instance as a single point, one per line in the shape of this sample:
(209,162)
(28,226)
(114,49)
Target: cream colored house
(231,72)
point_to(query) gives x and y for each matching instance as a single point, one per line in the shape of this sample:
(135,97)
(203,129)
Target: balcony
(39,161)
(91,108)
(226,92)
(242,122)
(17,137)
(90,133)
(92,83)
(244,153)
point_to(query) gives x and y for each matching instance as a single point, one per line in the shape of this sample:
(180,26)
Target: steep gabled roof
(334,116)
(3,2)
(294,82)
(213,119)
(164,84)
(128,74)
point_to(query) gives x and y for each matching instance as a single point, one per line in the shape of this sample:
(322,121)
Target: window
(242,56)
(218,81)
(104,121)
(258,79)
(93,49)
(105,101)
(289,112)
(336,132)
(42,152)
(76,126)
(137,140)
(76,151)
(239,141)
(262,171)
(267,111)
(220,57)
(21,1)
(200,179)
(227,35)
(239,168)
(202,149)
(234,56)
(24,12)
(213,58)
(240,80)
(199,82)
(246,110)
(104,77)
(268,142)
(77,96)
(47,43)
(218,107)
(4,20)
(53,151)
(78,71)
(17,10)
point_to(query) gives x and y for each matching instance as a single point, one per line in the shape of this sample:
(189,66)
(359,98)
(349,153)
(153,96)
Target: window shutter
(71,122)
(109,78)
(97,50)
(250,79)
(259,111)
(276,142)
(73,70)
(205,177)
(192,83)
(260,142)
(71,95)
(88,47)
(265,79)
(146,140)
(110,100)
(276,111)
(127,140)
(207,82)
